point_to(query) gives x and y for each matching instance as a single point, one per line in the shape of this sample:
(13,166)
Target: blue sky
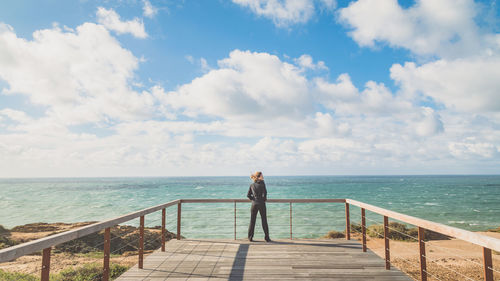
(165,88)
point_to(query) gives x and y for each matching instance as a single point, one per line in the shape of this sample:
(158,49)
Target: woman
(258,194)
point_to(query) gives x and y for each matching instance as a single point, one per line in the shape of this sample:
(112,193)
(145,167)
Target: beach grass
(87,272)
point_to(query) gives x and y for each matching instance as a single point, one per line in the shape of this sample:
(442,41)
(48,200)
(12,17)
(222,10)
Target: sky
(226,87)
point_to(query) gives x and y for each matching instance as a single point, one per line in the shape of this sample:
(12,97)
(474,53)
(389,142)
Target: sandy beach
(448,260)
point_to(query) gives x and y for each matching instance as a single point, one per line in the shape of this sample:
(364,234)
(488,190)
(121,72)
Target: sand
(447,260)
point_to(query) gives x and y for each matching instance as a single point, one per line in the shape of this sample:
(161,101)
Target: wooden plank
(141,242)
(363,228)
(228,259)
(347,222)
(488,265)
(45,276)
(107,250)
(163,224)
(291,236)
(421,246)
(234,220)
(474,238)
(318,200)
(386,244)
(40,244)
(179,220)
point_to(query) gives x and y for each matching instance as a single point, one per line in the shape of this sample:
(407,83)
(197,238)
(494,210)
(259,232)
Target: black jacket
(257,192)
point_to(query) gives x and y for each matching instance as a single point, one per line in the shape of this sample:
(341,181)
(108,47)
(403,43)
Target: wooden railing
(45,244)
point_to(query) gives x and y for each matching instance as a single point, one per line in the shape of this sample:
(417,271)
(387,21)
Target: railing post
(46,264)
(234,220)
(179,221)
(347,222)
(291,237)
(107,246)
(488,265)
(141,243)
(363,228)
(163,223)
(386,244)
(421,245)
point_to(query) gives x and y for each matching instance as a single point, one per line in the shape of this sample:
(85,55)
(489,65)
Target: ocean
(467,202)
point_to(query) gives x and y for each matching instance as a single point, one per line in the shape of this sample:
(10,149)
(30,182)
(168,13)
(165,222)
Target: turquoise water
(468,202)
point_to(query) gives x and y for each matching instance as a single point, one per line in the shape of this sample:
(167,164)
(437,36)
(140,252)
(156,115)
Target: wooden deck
(282,259)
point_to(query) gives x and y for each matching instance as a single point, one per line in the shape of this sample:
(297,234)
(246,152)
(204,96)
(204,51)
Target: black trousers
(261,208)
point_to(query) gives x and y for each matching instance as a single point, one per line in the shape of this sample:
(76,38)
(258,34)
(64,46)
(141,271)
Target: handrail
(298,200)
(45,244)
(53,240)
(469,236)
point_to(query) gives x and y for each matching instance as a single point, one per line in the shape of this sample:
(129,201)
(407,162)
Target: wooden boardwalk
(282,259)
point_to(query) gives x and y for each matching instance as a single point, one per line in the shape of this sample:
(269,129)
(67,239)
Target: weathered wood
(297,259)
(421,246)
(141,241)
(469,236)
(386,244)
(47,242)
(179,220)
(43,243)
(488,265)
(45,264)
(363,228)
(312,200)
(291,237)
(347,222)
(234,220)
(107,250)
(163,224)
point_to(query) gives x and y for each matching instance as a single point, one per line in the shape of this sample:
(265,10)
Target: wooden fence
(45,244)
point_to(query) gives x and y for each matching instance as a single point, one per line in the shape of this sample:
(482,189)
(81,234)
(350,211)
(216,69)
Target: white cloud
(111,20)
(204,65)
(306,62)
(472,148)
(189,58)
(467,84)
(15,115)
(286,12)
(345,99)
(246,86)
(445,28)
(79,77)
(430,124)
(260,109)
(148,10)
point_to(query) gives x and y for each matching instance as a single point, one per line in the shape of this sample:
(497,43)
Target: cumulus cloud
(306,62)
(111,20)
(250,107)
(473,148)
(462,75)
(286,12)
(246,85)
(430,124)
(345,99)
(445,28)
(77,76)
(148,10)
(467,84)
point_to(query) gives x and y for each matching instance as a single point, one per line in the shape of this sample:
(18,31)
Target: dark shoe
(268,240)
(250,239)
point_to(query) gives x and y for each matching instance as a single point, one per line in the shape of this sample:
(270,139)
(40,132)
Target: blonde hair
(255,176)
